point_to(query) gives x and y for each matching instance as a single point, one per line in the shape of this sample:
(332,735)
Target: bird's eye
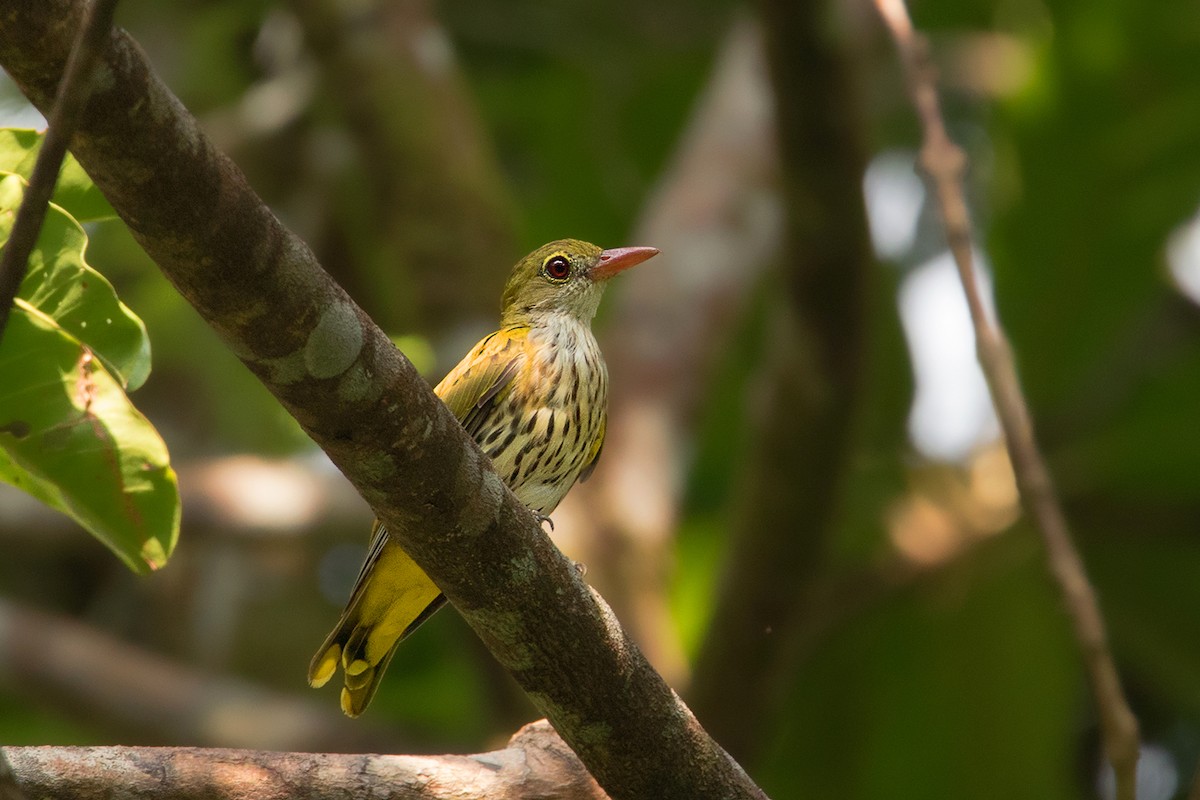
(557,268)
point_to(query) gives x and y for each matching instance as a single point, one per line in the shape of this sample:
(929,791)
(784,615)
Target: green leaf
(62,285)
(74,192)
(70,437)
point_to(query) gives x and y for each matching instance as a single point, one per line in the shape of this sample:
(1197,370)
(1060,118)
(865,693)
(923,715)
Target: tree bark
(535,764)
(261,289)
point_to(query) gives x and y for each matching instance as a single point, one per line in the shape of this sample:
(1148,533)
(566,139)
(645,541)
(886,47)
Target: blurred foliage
(585,103)
(948,675)
(937,693)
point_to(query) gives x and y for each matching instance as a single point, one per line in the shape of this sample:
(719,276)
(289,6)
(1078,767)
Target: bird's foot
(542,519)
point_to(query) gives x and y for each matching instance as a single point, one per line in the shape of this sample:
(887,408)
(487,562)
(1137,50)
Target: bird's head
(565,277)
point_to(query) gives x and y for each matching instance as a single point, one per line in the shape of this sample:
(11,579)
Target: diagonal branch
(63,118)
(944,163)
(261,289)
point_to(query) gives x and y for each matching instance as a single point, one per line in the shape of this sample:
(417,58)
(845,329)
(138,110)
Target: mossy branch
(261,289)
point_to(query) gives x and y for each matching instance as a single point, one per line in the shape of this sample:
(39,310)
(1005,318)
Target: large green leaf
(74,191)
(70,437)
(61,284)
(68,433)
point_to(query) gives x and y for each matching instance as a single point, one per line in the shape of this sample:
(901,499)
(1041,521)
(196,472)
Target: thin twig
(68,107)
(944,163)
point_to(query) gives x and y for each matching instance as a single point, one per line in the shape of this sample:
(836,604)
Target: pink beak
(620,259)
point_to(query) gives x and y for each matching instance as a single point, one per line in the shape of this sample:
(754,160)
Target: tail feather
(391,600)
(324,664)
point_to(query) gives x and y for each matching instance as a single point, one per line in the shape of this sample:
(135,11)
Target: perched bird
(534,396)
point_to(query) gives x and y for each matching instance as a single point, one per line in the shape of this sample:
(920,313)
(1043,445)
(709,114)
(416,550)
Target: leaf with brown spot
(70,437)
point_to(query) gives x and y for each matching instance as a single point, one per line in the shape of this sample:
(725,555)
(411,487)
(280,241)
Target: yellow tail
(391,598)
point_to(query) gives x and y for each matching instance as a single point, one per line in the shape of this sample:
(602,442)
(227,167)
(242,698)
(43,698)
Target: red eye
(558,268)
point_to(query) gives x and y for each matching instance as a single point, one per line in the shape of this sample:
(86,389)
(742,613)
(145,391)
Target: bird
(533,395)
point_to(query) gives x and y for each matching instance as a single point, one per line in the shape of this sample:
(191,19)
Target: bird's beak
(619,259)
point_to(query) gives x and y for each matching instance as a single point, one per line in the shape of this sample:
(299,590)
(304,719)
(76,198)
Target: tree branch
(535,764)
(63,118)
(944,163)
(9,788)
(260,288)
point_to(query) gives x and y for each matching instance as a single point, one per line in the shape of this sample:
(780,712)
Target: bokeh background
(803,513)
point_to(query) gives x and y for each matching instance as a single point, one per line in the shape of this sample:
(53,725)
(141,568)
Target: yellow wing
(392,595)
(391,598)
(484,378)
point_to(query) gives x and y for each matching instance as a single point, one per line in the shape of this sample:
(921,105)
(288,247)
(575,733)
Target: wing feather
(388,603)
(484,378)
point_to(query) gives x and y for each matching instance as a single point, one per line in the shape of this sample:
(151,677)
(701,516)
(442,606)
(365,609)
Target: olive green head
(565,277)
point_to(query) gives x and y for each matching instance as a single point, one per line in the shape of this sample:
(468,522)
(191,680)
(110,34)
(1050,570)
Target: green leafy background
(955,681)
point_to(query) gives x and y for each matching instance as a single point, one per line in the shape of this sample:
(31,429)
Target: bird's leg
(580,567)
